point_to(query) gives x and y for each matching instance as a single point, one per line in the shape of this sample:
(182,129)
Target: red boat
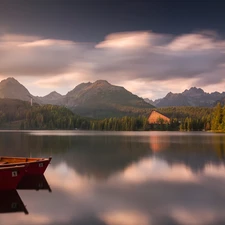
(34,165)
(10,176)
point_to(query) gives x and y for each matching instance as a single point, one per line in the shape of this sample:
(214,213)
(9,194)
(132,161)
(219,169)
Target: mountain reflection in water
(125,178)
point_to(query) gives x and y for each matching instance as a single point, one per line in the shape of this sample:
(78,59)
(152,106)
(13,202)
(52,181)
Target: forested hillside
(22,115)
(189,118)
(13,109)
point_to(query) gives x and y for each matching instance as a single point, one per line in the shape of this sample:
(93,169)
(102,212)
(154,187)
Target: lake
(120,178)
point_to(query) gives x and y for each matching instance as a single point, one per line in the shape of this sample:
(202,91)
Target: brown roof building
(158,118)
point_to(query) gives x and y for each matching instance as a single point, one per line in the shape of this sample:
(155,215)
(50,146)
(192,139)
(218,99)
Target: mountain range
(98,100)
(102,99)
(192,97)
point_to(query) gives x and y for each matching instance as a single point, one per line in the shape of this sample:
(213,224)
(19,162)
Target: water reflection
(159,143)
(194,151)
(11,202)
(154,178)
(106,153)
(149,191)
(98,156)
(219,146)
(33,182)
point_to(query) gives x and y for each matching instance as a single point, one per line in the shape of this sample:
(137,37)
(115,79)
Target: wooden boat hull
(34,165)
(11,202)
(10,176)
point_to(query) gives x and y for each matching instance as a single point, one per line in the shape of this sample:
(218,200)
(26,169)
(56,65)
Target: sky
(150,47)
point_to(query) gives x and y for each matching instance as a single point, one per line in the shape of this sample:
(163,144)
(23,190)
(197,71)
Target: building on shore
(158,118)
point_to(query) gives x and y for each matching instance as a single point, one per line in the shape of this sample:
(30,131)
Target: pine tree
(217,118)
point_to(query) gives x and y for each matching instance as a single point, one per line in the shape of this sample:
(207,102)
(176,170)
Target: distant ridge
(149,101)
(173,100)
(52,98)
(221,101)
(53,95)
(192,97)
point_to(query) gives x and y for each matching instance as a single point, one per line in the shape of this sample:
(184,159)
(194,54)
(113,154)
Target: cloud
(47,43)
(193,216)
(178,59)
(133,40)
(155,170)
(153,63)
(69,180)
(196,42)
(125,218)
(24,219)
(28,56)
(17,39)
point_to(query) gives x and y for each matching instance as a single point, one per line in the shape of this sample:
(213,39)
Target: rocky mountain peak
(170,94)
(193,91)
(9,80)
(11,88)
(53,95)
(101,82)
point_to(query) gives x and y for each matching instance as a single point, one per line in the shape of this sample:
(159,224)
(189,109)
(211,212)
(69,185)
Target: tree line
(218,118)
(58,117)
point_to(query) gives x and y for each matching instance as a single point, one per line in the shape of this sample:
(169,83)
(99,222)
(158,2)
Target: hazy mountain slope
(197,97)
(173,100)
(149,101)
(192,97)
(53,98)
(103,92)
(102,99)
(11,88)
(221,101)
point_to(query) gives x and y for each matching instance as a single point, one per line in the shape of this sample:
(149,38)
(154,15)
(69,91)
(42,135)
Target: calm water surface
(120,178)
